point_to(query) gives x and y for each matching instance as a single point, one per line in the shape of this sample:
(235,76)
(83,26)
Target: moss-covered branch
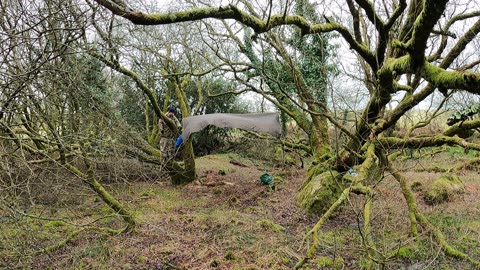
(105,196)
(355,20)
(373,254)
(420,142)
(233,12)
(402,5)
(392,68)
(288,143)
(438,111)
(140,83)
(176,172)
(318,133)
(376,20)
(470,164)
(314,232)
(440,237)
(422,27)
(441,78)
(443,44)
(408,102)
(461,44)
(72,236)
(461,127)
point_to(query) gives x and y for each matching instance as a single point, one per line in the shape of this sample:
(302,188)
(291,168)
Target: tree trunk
(186,174)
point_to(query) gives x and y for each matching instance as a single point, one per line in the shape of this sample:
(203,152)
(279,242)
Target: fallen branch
(105,196)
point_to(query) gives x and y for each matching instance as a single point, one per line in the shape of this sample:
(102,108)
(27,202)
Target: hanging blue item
(179,141)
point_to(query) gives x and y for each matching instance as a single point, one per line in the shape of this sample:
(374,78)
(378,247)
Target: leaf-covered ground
(228,219)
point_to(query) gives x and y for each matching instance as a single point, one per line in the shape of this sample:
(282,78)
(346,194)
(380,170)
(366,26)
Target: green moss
(335,237)
(215,263)
(406,252)
(316,170)
(439,76)
(278,179)
(458,151)
(97,250)
(420,250)
(54,223)
(369,171)
(434,168)
(230,256)
(443,189)
(278,154)
(148,193)
(318,194)
(217,191)
(166,251)
(282,157)
(268,224)
(328,262)
(416,186)
(289,160)
(364,263)
(141,259)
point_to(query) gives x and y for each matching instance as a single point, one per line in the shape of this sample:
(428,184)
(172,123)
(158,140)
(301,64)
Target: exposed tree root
(374,256)
(415,215)
(416,218)
(409,197)
(314,231)
(358,188)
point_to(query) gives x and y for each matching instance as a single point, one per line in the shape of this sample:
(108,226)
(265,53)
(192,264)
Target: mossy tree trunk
(181,174)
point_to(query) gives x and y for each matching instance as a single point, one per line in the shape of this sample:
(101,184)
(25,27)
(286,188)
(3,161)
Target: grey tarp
(258,122)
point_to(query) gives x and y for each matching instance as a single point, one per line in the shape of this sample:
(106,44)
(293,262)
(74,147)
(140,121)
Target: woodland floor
(230,220)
